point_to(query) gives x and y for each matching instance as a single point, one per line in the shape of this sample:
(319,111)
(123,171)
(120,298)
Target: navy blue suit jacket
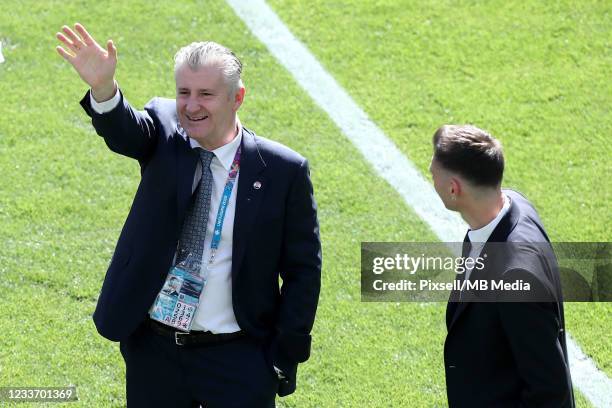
(511,354)
(276,233)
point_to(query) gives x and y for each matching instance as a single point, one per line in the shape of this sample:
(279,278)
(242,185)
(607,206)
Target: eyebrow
(198,90)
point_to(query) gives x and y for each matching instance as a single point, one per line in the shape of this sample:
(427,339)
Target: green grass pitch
(533,74)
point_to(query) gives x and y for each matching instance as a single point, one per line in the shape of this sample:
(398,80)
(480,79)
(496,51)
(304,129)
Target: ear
(239,98)
(456,186)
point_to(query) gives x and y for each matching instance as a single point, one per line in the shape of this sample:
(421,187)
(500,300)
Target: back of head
(471,153)
(210,53)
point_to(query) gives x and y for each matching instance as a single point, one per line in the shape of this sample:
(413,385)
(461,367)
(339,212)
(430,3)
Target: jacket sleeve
(125,130)
(300,270)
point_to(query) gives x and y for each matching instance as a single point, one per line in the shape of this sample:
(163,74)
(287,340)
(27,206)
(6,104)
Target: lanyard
(227,192)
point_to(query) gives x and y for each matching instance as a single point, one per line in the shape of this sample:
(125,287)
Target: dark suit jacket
(275,233)
(511,354)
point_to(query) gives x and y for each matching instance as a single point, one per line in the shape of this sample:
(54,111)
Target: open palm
(94,64)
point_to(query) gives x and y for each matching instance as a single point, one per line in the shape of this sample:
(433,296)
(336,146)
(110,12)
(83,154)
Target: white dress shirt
(480,236)
(215,312)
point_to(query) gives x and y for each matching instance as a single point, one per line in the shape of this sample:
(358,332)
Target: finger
(87,38)
(76,40)
(112,50)
(66,41)
(67,56)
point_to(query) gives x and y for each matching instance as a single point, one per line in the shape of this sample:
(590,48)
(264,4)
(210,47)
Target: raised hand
(94,64)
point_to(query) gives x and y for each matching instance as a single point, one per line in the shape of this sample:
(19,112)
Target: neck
(483,210)
(212,143)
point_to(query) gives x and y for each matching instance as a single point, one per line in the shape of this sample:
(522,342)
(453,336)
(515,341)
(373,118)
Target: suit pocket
(267,360)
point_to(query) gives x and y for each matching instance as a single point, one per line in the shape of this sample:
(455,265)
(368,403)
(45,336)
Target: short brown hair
(471,152)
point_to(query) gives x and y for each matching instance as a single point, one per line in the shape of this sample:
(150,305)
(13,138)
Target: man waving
(192,292)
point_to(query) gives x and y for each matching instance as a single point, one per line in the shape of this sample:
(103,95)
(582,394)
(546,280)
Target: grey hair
(201,54)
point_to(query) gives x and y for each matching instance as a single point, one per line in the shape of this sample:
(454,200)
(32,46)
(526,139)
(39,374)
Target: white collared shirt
(215,312)
(480,236)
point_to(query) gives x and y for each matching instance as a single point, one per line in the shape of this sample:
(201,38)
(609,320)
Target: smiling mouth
(196,118)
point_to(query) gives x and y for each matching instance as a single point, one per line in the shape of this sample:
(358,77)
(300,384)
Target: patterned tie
(196,220)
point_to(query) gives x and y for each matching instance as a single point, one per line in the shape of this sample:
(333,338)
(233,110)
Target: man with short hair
(500,351)
(172,286)
(219,216)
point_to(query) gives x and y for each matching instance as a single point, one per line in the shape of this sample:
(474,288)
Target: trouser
(160,373)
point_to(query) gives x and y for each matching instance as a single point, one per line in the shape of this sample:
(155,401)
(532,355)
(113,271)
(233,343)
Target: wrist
(105,92)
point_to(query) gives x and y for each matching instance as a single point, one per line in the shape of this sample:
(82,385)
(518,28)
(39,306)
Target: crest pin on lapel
(257,185)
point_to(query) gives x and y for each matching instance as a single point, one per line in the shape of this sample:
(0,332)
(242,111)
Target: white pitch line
(382,154)
(588,378)
(385,157)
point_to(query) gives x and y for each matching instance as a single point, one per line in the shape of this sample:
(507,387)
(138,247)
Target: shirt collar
(225,154)
(483,234)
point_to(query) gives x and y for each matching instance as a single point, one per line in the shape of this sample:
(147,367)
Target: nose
(192,106)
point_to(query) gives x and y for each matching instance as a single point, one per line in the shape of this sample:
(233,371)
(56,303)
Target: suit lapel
(251,189)
(453,300)
(451,306)
(499,234)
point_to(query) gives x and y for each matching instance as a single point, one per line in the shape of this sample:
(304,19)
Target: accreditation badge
(177,302)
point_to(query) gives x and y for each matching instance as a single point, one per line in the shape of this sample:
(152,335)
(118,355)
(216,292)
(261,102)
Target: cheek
(436,184)
(438,187)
